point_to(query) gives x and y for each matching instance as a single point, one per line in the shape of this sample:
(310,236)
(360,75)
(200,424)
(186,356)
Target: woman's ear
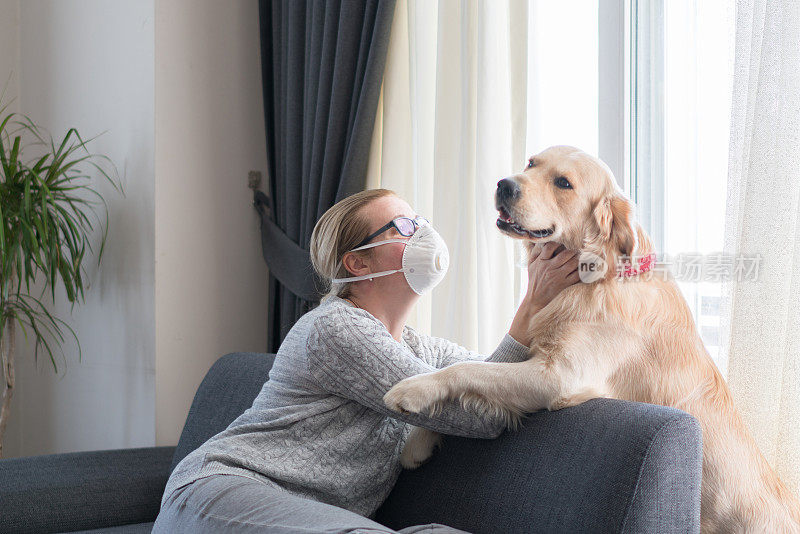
(614,218)
(354,264)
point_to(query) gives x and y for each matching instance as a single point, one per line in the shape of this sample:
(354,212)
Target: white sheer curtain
(761,317)
(452,122)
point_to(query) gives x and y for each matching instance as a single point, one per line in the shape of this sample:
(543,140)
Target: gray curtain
(322,66)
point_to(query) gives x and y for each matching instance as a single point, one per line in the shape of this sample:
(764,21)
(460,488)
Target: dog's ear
(614,218)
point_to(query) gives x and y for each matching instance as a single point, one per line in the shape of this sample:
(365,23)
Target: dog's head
(568,196)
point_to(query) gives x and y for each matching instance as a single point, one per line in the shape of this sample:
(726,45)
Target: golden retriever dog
(628,334)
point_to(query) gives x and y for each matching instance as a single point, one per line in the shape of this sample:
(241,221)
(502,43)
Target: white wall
(9,74)
(89,65)
(211,281)
(9,59)
(177,87)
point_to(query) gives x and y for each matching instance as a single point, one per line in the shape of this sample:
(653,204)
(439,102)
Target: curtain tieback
(287,261)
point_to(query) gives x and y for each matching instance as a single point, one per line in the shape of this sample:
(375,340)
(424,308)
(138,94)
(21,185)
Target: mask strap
(370,245)
(371,275)
(364,277)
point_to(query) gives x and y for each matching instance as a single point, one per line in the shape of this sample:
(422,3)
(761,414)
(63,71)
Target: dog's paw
(419,447)
(414,394)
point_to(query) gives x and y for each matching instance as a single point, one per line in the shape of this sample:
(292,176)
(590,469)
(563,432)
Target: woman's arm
(548,273)
(352,355)
(440,352)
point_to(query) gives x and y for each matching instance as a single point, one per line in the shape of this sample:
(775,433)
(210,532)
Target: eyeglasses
(405,225)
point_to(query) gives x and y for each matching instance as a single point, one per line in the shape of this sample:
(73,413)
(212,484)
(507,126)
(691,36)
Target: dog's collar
(645,264)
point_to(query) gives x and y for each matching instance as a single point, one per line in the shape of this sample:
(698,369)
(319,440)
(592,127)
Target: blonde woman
(319,451)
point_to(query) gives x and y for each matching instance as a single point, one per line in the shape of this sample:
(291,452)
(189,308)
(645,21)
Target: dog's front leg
(419,447)
(510,389)
(524,386)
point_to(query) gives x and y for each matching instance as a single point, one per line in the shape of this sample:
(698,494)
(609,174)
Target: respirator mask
(425,260)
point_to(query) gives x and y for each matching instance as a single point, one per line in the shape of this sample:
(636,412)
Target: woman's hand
(551,268)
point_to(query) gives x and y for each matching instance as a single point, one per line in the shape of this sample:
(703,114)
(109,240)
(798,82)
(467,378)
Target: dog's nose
(507,189)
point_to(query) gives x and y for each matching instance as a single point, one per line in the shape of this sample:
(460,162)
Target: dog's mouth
(506,224)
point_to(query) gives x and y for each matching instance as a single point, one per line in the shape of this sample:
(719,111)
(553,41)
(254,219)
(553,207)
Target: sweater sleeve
(440,352)
(351,354)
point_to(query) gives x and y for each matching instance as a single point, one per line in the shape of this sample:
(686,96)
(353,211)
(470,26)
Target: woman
(318,451)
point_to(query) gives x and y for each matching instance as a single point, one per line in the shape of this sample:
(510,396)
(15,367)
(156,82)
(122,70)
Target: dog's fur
(631,339)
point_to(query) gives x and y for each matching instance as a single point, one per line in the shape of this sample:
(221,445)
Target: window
(562,75)
(680,85)
(645,85)
(562,80)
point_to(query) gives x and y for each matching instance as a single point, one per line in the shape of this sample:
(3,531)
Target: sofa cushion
(83,490)
(138,528)
(606,465)
(228,389)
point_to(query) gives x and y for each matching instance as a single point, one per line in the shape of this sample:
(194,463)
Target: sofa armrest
(606,465)
(82,490)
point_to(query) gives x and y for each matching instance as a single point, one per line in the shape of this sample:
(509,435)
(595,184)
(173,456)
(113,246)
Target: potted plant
(43,227)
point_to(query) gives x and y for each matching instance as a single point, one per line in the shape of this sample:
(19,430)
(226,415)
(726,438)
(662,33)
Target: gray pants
(230,503)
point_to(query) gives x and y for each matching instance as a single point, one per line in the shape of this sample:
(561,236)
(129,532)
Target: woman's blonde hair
(338,231)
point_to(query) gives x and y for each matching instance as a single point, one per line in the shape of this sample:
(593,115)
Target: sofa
(606,465)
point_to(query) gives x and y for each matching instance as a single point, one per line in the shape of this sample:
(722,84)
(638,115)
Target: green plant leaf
(45,223)
(2,231)
(13,157)
(40,327)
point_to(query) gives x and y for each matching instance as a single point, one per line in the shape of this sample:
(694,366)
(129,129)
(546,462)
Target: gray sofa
(604,466)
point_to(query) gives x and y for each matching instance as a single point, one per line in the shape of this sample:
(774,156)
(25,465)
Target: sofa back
(228,389)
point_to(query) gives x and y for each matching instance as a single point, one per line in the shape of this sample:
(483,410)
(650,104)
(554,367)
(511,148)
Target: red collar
(645,264)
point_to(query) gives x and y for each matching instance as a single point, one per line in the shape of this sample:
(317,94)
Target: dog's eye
(530,163)
(563,183)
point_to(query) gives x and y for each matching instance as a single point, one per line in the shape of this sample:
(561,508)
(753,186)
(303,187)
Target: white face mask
(425,260)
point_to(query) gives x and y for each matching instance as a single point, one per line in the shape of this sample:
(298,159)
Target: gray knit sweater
(319,428)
